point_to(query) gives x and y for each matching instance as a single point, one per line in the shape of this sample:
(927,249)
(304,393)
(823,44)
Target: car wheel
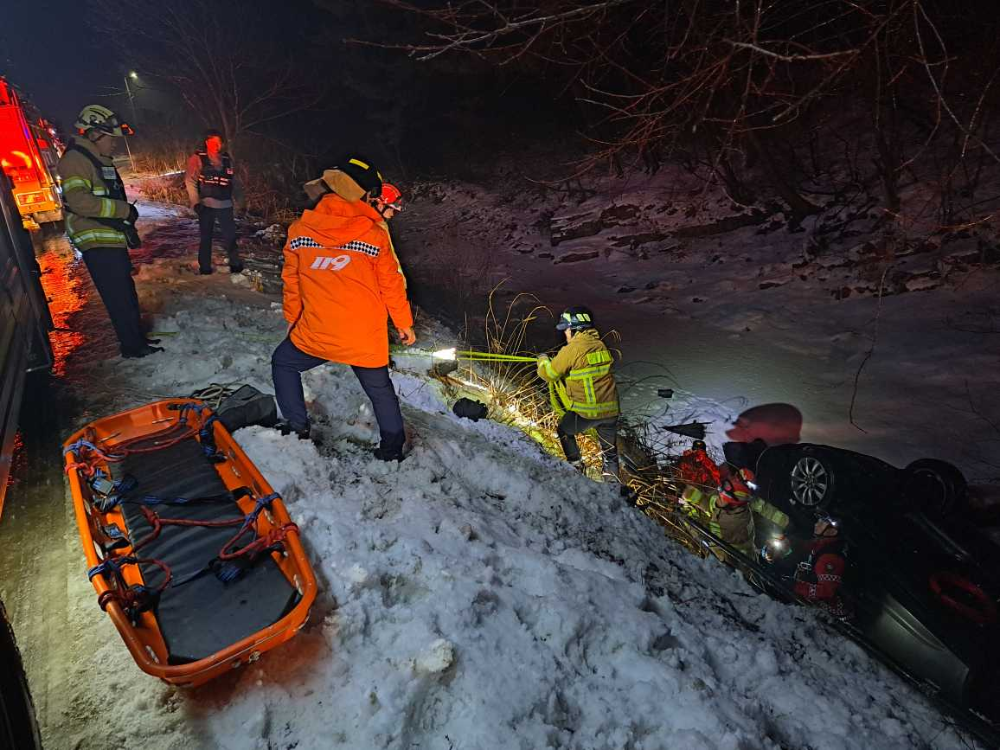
(933,486)
(811,481)
(17,715)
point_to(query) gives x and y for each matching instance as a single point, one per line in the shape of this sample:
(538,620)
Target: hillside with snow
(479,595)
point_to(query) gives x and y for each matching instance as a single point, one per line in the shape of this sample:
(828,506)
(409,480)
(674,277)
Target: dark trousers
(572,424)
(287,365)
(227,226)
(111,270)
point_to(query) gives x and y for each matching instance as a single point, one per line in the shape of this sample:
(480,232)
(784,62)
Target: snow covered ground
(479,595)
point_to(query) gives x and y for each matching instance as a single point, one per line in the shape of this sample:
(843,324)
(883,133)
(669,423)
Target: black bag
(247,406)
(469,409)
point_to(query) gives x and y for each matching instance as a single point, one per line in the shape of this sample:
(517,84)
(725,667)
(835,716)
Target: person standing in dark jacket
(211,187)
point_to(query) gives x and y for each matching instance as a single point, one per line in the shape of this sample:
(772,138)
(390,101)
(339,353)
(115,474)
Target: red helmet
(391,197)
(736,489)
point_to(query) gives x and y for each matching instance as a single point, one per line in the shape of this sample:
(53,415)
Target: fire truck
(29,152)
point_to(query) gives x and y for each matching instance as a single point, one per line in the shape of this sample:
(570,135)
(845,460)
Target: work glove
(132,238)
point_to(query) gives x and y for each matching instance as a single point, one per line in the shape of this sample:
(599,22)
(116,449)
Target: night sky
(47,49)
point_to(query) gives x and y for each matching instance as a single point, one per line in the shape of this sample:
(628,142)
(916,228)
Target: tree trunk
(800,207)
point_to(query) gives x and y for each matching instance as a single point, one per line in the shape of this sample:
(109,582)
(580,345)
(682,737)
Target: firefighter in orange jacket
(341,282)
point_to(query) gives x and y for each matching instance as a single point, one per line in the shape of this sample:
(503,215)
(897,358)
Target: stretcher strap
(87,452)
(133,599)
(207,438)
(227,566)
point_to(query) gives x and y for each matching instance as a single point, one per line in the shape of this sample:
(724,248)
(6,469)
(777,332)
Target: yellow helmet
(102,119)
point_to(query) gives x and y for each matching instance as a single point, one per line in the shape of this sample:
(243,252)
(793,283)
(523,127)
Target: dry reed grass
(519,398)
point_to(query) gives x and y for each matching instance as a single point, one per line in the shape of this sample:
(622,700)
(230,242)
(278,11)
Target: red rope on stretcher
(87,459)
(87,456)
(274,536)
(86,468)
(134,599)
(157,522)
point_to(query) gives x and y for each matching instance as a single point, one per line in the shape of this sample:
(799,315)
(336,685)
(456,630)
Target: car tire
(18,728)
(811,480)
(937,487)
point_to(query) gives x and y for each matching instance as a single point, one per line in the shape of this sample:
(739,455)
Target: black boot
(303,433)
(383,454)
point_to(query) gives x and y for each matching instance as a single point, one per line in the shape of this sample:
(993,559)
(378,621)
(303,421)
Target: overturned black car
(925,579)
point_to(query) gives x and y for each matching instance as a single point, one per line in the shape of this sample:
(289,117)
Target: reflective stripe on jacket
(580,377)
(91,193)
(215,181)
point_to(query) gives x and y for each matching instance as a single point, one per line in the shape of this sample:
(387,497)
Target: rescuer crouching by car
(342,282)
(582,390)
(212,192)
(729,514)
(100,222)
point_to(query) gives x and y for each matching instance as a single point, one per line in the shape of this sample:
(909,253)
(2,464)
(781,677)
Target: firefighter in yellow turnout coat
(100,222)
(583,388)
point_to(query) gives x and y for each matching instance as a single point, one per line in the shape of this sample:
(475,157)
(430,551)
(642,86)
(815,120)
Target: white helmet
(102,119)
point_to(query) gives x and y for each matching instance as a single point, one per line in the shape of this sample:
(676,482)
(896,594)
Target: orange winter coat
(342,281)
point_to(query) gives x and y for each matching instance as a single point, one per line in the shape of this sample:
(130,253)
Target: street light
(131,97)
(135,118)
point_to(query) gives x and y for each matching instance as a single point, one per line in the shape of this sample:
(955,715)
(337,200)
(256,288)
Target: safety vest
(103,182)
(215,181)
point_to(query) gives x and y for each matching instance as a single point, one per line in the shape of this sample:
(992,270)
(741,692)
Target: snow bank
(484,595)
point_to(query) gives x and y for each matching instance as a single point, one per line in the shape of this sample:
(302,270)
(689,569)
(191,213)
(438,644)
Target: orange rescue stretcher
(191,552)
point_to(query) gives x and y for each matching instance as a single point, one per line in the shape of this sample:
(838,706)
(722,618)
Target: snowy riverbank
(480,595)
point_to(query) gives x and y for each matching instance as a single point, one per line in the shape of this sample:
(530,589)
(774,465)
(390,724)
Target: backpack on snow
(247,406)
